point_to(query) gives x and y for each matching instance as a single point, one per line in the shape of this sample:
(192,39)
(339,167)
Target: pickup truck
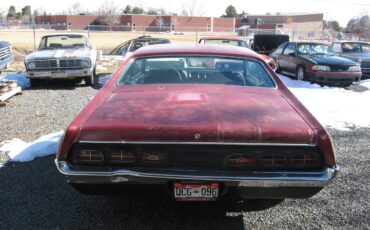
(6,55)
(63,56)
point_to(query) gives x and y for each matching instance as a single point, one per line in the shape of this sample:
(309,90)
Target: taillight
(305,159)
(273,160)
(153,157)
(122,157)
(241,161)
(90,156)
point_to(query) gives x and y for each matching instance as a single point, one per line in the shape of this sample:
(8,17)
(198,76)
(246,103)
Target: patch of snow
(21,151)
(332,106)
(21,79)
(365,83)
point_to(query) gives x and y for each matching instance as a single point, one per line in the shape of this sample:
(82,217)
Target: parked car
(6,55)
(356,51)
(198,122)
(63,56)
(313,62)
(132,45)
(235,41)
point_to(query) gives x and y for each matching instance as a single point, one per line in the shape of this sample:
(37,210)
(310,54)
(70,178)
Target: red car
(236,41)
(197,122)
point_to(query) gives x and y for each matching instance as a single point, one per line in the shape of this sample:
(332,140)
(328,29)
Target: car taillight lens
(273,160)
(241,161)
(92,156)
(305,159)
(153,158)
(122,157)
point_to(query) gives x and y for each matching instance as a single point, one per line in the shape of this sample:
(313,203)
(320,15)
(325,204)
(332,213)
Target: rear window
(196,70)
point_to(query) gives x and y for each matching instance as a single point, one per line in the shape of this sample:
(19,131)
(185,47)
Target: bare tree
(108,11)
(76,9)
(192,8)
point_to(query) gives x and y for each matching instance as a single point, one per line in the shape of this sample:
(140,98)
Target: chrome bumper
(59,74)
(253,179)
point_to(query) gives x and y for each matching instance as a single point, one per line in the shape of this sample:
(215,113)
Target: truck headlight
(86,63)
(31,65)
(320,68)
(354,68)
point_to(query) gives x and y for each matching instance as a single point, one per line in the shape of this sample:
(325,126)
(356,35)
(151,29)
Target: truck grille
(62,63)
(5,52)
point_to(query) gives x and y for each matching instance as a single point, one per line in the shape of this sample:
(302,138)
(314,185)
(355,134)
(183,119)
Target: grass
(23,40)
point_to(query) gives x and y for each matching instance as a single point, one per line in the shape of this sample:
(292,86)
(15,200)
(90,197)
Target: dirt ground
(23,41)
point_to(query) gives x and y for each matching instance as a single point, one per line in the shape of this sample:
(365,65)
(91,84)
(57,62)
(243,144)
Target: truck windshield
(63,42)
(196,70)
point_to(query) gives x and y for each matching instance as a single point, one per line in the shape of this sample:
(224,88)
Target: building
(302,26)
(138,23)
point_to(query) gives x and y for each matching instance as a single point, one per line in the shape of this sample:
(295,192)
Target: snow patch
(333,107)
(21,79)
(21,151)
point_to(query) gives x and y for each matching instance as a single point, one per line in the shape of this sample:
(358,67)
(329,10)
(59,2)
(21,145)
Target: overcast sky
(341,10)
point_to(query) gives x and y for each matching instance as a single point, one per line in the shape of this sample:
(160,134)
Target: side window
(337,47)
(120,50)
(136,45)
(289,49)
(279,50)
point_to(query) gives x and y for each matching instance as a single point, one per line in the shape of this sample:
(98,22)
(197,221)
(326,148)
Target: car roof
(149,38)
(65,34)
(197,49)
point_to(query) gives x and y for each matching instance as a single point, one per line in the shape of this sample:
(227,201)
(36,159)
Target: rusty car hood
(59,53)
(205,114)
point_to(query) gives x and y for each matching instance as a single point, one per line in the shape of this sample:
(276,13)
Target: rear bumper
(59,73)
(250,185)
(333,78)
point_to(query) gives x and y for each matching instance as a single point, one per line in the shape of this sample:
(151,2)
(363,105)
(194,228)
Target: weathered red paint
(219,113)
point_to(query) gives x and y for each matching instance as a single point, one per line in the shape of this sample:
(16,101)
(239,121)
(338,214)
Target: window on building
(208,27)
(172,27)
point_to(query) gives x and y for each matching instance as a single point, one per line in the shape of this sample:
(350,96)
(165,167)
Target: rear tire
(300,73)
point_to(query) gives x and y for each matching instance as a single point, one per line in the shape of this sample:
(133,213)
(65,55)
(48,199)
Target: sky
(340,10)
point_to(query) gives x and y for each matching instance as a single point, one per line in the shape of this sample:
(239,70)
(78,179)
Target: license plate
(196,192)
(59,74)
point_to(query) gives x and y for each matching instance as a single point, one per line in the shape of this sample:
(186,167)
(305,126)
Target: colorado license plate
(196,192)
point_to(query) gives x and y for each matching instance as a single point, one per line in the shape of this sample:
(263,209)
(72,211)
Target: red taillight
(122,157)
(153,158)
(241,161)
(271,160)
(90,156)
(305,159)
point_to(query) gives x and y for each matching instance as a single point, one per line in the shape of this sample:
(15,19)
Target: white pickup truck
(63,56)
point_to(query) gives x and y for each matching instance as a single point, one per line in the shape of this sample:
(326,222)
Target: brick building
(302,25)
(140,23)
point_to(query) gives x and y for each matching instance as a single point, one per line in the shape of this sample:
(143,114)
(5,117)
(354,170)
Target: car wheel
(300,73)
(90,80)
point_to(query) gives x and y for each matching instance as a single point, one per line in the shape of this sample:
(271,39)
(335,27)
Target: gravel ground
(35,196)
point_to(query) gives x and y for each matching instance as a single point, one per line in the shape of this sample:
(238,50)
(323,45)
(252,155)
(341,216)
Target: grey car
(356,51)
